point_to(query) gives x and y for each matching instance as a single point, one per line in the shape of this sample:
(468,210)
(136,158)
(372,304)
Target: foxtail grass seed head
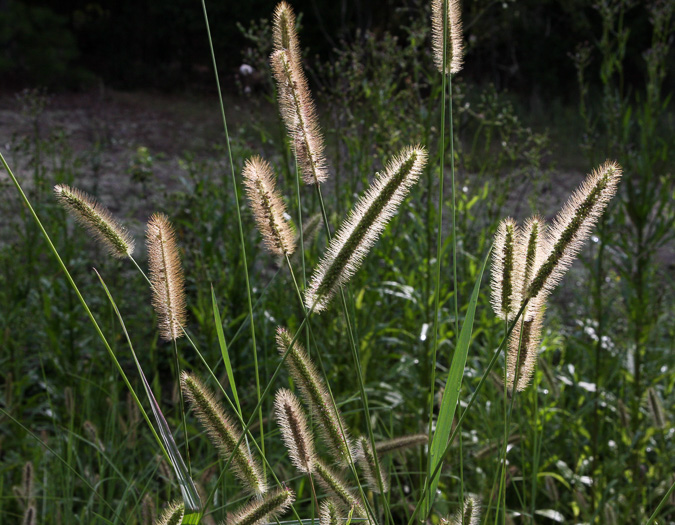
(313,391)
(655,408)
(531,250)
(471,514)
(294,430)
(166,276)
(263,510)
(526,335)
(573,225)
(506,276)
(333,483)
(299,114)
(284,31)
(363,226)
(97,219)
(454,47)
(172,515)
(328,513)
(366,460)
(400,443)
(223,433)
(30,516)
(268,208)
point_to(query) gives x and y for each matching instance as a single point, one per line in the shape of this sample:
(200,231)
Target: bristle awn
(573,225)
(328,515)
(172,515)
(365,222)
(263,510)
(446,34)
(166,275)
(366,460)
(242,243)
(284,31)
(295,431)
(299,114)
(506,275)
(521,356)
(314,393)
(470,515)
(97,219)
(333,483)
(400,443)
(223,434)
(268,208)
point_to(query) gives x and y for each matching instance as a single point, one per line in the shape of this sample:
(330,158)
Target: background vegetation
(550,88)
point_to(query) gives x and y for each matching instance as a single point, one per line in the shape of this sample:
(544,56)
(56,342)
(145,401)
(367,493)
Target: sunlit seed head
(263,510)
(172,515)
(294,430)
(506,271)
(451,62)
(521,356)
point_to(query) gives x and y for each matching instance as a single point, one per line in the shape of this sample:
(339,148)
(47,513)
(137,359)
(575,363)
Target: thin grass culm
(268,208)
(223,434)
(97,219)
(166,276)
(363,226)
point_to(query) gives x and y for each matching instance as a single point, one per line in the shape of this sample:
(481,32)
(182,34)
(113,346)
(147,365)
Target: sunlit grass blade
(223,348)
(451,395)
(191,500)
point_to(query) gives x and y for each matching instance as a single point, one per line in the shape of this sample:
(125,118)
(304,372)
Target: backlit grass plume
(97,219)
(223,433)
(400,443)
(523,350)
(328,513)
(284,31)
(299,114)
(366,460)
(531,250)
(166,276)
(315,394)
(268,208)
(263,510)
(333,483)
(453,54)
(365,222)
(295,431)
(470,516)
(506,278)
(172,515)
(573,225)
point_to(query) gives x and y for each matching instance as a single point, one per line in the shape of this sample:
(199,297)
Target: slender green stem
(241,229)
(664,500)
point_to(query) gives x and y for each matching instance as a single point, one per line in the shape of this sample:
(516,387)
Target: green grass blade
(223,348)
(188,490)
(451,394)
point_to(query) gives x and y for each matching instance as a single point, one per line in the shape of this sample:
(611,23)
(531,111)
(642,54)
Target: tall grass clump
(385,408)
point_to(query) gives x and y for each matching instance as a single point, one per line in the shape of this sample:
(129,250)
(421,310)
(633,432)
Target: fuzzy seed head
(299,114)
(315,394)
(223,433)
(284,31)
(655,408)
(454,47)
(400,443)
(506,271)
(97,219)
(172,515)
(294,430)
(471,514)
(525,359)
(573,225)
(166,276)
(263,510)
(363,226)
(30,515)
(268,208)
(333,483)
(328,513)
(531,250)
(366,460)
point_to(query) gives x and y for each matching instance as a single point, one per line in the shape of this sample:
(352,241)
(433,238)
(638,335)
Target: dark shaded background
(129,44)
